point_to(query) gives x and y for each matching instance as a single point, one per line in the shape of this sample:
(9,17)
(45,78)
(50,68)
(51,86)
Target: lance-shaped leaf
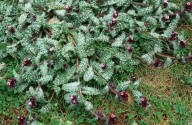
(83,65)
(89,74)
(123,86)
(71,87)
(90,91)
(22,18)
(46,108)
(168,62)
(88,105)
(39,93)
(136,83)
(137,95)
(118,41)
(105,90)
(148,58)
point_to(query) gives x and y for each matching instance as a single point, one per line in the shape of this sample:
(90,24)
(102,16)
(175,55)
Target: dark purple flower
(27,62)
(65,66)
(11,82)
(22,120)
(173,36)
(188,7)
(103,66)
(11,29)
(112,119)
(131,39)
(32,102)
(165,18)
(34,17)
(68,8)
(165,3)
(123,95)
(114,22)
(130,49)
(144,102)
(183,43)
(74,99)
(115,14)
(157,63)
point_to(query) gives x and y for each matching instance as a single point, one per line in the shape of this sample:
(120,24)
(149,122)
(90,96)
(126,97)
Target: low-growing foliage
(78,49)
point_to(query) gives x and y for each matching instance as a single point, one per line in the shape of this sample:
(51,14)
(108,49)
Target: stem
(172,57)
(34,119)
(139,4)
(48,33)
(72,40)
(98,116)
(42,9)
(106,82)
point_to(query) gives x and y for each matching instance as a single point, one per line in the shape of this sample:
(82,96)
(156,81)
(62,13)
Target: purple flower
(165,3)
(165,18)
(188,7)
(114,21)
(157,63)
(115,14)
(34,17)
(183,43)
(11,82)
(112,119)
(11,29)
(65,66)
(130,49)
(173,36)
(27,62)
(103,66)
(32,102)
(68,8)
(123,95)
(74,99)
(131,39)
(144,102)
(22,120)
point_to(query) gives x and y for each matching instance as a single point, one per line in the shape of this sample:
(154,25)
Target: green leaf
(136,83)
(88,105)
(168,62)
(89,74)
(90,91)
(3,46)
(148,58)
(123,86)
(36,123)
(71,87)
(22,18)
(83,65)
(68,123)
(46,108)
